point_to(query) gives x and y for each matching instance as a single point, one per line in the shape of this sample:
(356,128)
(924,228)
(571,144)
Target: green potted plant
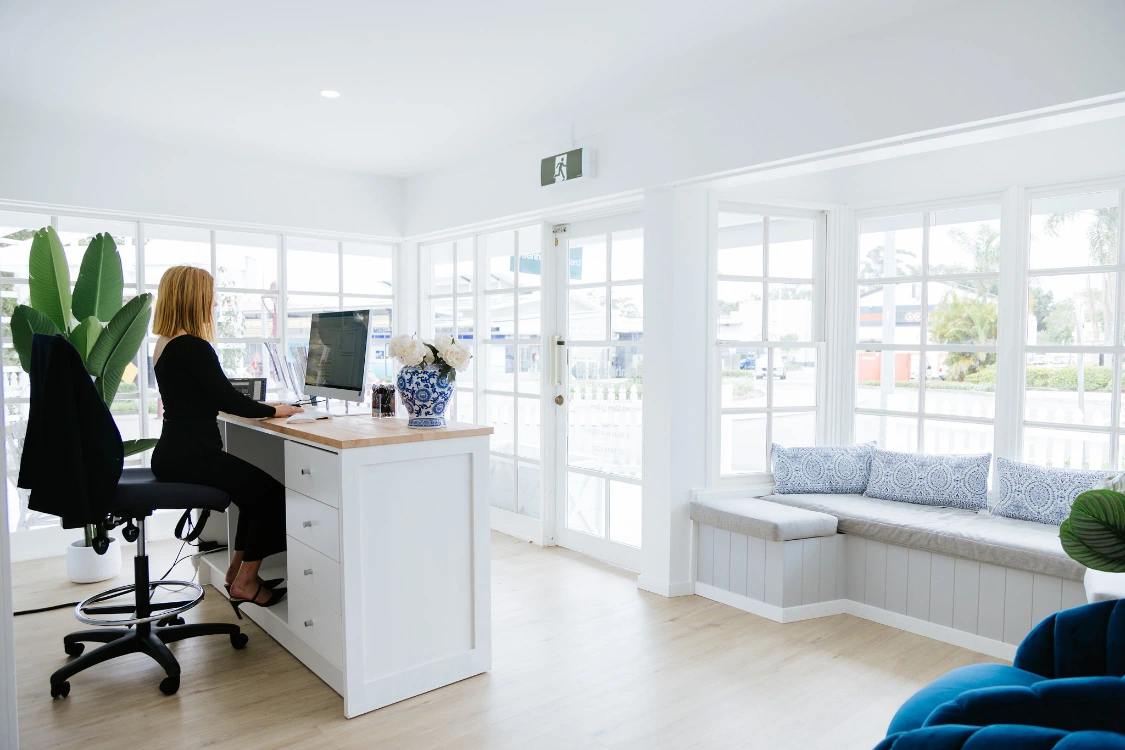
(106,332)
(1094,533)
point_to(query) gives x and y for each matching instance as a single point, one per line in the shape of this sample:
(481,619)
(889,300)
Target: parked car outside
(763,368)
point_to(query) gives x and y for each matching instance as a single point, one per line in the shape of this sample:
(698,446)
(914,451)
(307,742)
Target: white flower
(413,352)
(395,348)
(429,356)
(456,355)
(443,342)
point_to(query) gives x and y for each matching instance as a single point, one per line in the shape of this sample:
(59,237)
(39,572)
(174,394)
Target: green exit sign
(569,165)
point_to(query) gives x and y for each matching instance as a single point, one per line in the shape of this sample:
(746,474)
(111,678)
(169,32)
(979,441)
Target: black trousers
(260,498)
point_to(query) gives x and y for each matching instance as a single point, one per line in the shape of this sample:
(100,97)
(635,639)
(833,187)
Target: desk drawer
(316,625)
(313,472)
(313,523)
(314,573)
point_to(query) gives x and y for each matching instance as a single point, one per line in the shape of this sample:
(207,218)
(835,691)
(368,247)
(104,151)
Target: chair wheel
(238,640)
(74,649)
(60,690)
(169,685)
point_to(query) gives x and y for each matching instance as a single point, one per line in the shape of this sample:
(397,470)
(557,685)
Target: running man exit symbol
(561,167)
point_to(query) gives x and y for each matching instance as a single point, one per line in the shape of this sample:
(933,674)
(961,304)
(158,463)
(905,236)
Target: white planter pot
(83,565)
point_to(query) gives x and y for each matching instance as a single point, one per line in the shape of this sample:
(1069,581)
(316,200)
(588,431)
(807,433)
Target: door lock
(559,400)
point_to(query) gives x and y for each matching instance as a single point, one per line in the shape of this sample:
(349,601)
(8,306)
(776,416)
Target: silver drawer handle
(308,623)
(306,471)
(307,524)
(308,571)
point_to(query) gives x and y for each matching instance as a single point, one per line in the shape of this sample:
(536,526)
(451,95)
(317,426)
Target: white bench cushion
(757,518)
(1012,543)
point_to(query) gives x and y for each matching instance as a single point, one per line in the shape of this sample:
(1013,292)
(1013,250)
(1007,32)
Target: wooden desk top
(359,430)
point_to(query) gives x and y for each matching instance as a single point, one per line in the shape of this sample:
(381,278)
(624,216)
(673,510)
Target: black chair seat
(139,490)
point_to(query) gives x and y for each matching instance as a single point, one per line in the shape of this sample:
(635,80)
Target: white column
(1012,324)
(8,730)
(677,223)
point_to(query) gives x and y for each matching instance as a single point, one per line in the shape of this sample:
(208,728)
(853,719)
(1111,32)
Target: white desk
(388,551)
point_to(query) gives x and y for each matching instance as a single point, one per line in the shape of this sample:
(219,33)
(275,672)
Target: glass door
(599,384)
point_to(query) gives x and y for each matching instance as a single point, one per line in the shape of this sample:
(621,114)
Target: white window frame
(715,410)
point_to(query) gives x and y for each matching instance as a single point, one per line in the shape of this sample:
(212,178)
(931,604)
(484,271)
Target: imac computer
(337,363)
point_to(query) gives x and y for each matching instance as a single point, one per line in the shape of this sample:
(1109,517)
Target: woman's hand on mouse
(285,410)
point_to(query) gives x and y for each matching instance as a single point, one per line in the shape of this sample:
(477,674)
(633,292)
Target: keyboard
(308,415)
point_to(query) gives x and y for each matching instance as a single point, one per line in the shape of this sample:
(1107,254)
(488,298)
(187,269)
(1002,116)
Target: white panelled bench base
(979,606)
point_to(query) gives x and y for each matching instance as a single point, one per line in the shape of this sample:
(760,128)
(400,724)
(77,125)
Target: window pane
(740,244)
(531,256)
(794,377)
(962,312)
(585,503)
(312,265)
(791,247)
(465,318)
(300,310)
(441,316)
(442,267)
(740,310)
(587,315)
(380,365)
(1066,448)
(902,323)
(466,263)
(587,260)
(12,295)
(529,303)
(625,513)
(743,444)
(1076,309)
(368,269)
(499,312)
(889,433)
(903,233)
(463,405)
(628,313)
(794,428)
(1069,388)
(250,315)
(75,234)
(530,369)
(500,416)
(500,253)
(743,376)
(628,255)
(246,260)
(965,240)
(960,383)
(502,483)
(605,408)
(529,417)
(791,312)
(247,361)
(16,232)
(956,437)
(127,415)
(498,366)
(174,246)
(530,490)
(887,380)
(1074,230)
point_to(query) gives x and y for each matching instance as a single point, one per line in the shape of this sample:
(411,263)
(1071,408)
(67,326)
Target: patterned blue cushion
(1036,493)
(947,481)
(824,469)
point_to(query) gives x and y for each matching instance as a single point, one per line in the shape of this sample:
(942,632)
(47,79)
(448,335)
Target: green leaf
(117,345)
(85,335)
(26,322)
(50,278)
(1094,534)
(97,292)
(133,447)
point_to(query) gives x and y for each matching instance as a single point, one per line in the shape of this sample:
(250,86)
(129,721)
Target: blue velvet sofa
(1065,690)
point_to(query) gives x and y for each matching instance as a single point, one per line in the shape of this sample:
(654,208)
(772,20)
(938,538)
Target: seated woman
(194,390)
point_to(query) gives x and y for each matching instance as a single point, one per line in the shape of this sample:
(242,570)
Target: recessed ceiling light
(330,94)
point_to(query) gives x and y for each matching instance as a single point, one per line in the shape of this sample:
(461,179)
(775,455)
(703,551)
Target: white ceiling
(423,84)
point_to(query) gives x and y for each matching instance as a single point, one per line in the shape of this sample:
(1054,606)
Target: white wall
(85,165)
(963,63)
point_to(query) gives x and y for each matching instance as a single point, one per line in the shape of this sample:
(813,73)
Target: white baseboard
(664,588)
(971,641)
(513,524)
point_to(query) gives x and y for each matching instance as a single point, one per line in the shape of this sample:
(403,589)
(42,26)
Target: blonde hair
(184,303)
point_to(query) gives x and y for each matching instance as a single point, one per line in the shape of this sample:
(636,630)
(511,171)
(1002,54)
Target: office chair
(73,465)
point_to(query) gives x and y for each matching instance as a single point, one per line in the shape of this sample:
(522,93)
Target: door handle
(559,400)
(306,472)
(558,352)
(308,571)
(308,623)
(307,524)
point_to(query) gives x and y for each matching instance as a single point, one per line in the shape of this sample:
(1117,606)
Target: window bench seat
(977,581)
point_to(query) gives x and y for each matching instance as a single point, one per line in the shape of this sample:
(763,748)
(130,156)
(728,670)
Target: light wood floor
(582,659)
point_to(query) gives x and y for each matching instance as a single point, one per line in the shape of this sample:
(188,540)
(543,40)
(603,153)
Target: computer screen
(337,357)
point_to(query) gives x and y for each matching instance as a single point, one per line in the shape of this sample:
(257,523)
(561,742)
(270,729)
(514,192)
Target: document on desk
(308,416)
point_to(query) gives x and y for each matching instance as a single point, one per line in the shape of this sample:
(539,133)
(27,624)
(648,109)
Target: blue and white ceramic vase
(425,393)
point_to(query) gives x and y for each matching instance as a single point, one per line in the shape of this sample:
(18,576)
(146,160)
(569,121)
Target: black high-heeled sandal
(271,584)
(275,596)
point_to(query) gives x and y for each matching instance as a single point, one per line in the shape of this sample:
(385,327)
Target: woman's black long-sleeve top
(194,390)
